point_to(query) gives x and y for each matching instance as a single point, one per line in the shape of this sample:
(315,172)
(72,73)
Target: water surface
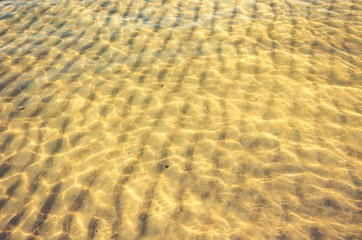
(181,119)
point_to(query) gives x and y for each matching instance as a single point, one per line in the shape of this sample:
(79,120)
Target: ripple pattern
(202,119)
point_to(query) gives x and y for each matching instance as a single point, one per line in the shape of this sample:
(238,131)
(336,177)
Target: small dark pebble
(162,85)
(316,234)
(167,166)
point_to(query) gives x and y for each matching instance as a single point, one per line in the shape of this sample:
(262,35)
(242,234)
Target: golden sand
(204,119)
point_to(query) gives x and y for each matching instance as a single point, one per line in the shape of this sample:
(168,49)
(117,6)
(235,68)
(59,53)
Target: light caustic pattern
(202,119)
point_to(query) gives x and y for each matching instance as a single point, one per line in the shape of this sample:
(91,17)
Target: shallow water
(181,120)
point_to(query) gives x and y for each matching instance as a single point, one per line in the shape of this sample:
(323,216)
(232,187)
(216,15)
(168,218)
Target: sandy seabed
(202,119)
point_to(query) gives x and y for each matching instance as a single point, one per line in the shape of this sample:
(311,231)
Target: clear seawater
(205,119)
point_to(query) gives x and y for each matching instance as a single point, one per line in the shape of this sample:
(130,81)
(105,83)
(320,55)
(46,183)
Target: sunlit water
(181,120)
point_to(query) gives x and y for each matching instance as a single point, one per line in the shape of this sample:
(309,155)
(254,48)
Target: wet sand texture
(202,119)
